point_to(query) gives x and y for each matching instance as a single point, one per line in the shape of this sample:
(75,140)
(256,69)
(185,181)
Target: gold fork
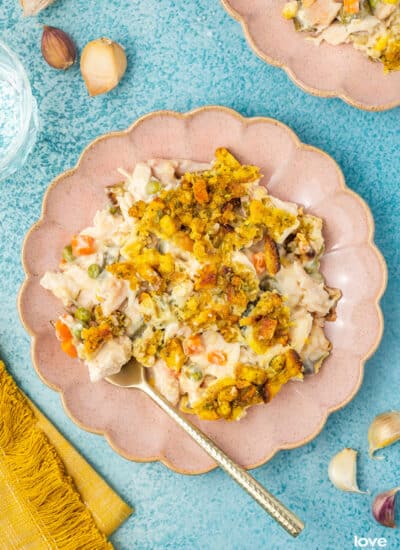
(133,375)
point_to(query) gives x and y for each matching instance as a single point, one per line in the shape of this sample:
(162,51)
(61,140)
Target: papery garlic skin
(383,431)
(103,64)
(57,47)
(342,471)
(32,7)
(383,507)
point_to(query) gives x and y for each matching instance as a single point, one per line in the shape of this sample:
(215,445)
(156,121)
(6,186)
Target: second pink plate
(325,70)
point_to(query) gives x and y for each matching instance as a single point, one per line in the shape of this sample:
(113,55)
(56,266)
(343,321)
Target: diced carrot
(351,6)
(194,344)
(200,191)
(217,357)
(62,331)
(68,347)
(82,245)
(259,262)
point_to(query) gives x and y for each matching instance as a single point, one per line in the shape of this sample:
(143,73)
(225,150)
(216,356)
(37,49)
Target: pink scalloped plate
(325,70)
(132,424)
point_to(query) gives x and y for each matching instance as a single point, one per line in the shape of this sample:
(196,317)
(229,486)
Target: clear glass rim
(28,107)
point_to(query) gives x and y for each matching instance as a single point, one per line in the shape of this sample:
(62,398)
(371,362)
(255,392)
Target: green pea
(67,253)
(194,373)
(77,333)
(113,209)
(83,314)
(94,271)
(153,187)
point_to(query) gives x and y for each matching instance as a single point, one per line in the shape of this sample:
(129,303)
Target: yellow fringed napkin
(40,507)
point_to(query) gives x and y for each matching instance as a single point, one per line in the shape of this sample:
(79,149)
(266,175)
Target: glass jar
(18,113)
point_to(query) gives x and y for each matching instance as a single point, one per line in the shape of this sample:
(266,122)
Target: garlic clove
(342,471)
(383,507)
(32,7)
(103,64)
(383,431)
(58,48)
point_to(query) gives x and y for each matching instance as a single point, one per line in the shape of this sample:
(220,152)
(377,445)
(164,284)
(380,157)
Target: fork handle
(286,519)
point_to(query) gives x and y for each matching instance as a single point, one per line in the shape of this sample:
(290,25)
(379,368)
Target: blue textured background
(183,54)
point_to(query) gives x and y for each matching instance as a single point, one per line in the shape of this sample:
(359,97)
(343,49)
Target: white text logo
(364,542)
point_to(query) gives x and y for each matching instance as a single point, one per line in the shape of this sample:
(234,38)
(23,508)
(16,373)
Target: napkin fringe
(42,484)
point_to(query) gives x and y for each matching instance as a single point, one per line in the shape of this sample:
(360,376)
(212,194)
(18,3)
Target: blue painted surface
(184,54)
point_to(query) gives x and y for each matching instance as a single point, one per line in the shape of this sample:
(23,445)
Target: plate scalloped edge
(299,145)
(292,75)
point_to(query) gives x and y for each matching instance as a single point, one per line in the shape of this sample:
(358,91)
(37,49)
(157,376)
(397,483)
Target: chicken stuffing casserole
(203,277)
(371,26)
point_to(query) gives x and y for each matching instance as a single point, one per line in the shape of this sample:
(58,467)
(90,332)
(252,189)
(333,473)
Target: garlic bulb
(342,471)
(32,7)
(383,431)
(383,507)
(103,64)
